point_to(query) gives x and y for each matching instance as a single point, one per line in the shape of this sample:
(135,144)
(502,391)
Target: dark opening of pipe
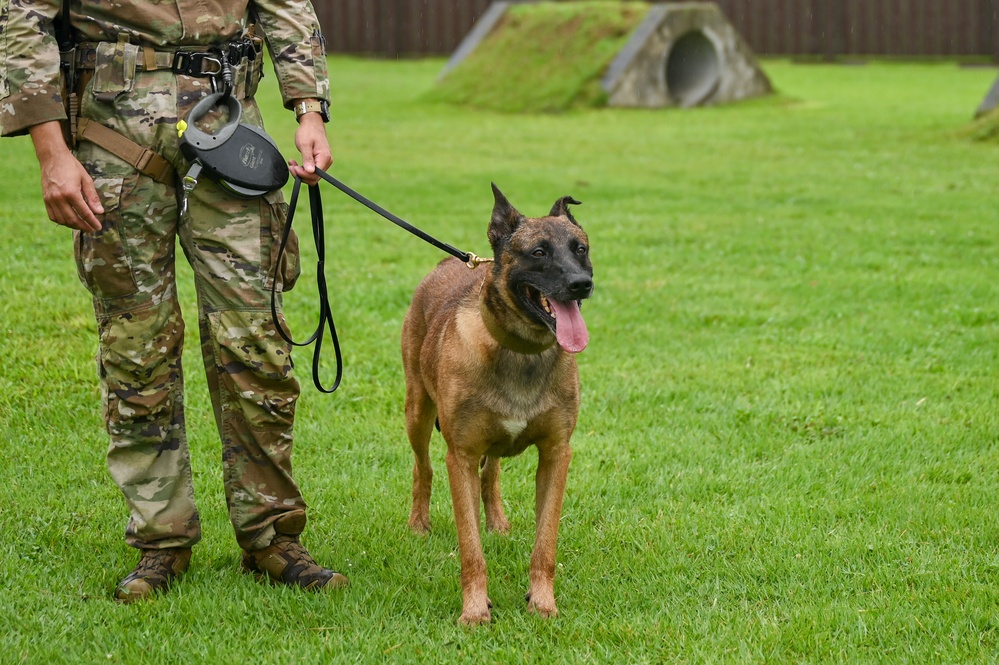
(693,69)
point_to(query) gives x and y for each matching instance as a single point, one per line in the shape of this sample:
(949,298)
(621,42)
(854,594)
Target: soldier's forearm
(49,141)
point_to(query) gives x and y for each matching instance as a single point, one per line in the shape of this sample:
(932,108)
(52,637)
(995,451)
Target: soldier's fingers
(318,152)
(75,215)
(308,177)
(51,211)
(83,217)
(92,198)
(87,222)
(324,159)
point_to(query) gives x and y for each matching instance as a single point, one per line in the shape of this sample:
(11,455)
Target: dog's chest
(520,398)
(520,387)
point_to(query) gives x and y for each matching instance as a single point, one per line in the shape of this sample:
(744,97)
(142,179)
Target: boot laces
(155,562)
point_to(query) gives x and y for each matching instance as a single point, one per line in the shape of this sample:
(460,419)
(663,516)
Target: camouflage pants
(128,266)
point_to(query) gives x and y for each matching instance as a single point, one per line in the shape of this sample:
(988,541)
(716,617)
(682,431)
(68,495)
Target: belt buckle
(192,63)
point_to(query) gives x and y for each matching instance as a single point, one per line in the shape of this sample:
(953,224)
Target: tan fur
(491,402)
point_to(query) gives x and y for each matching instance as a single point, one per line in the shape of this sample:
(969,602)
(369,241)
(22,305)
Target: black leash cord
(319,234)
(325,313)
(368,203)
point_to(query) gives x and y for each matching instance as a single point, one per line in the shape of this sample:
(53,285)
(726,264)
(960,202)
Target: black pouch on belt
(242,159)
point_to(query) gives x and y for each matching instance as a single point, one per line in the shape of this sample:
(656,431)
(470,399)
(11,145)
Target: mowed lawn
(788,448)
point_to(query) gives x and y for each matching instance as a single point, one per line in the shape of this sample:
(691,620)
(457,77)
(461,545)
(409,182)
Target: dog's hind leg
(420,416)
(495,518)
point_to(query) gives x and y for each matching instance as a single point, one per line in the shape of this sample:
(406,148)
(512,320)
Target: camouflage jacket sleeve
(297,48)
(30,79)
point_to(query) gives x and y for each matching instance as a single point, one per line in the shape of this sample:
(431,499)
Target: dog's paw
(419,525)
(544,608)
(500,525)
(475,618)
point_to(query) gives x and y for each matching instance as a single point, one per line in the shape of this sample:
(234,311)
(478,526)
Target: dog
(488,357)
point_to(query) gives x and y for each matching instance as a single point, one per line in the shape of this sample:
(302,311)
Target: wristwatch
(321,107)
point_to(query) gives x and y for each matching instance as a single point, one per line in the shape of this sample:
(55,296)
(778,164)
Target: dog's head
(544,265)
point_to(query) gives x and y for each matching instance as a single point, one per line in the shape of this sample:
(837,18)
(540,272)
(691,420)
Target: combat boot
(286,561)
(156,570)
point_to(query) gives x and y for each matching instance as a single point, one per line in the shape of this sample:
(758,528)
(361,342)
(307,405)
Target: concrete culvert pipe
(693,69)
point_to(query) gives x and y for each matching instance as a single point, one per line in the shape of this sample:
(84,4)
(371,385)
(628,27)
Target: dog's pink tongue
(570,329)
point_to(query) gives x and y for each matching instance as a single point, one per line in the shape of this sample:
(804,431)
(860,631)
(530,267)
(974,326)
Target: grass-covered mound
(985,128)
(543,57)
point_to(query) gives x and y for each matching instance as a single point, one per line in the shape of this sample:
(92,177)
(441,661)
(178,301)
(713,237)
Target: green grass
(543,57)
(789,439)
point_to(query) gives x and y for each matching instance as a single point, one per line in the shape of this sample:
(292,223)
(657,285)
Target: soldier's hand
(311,141)
(67,189)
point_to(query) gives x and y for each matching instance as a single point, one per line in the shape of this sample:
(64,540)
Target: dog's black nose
(581,288)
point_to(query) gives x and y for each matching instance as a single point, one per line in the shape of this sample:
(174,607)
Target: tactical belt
(191,62)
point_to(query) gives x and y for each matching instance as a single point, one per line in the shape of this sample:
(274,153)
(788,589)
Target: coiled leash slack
(319,235)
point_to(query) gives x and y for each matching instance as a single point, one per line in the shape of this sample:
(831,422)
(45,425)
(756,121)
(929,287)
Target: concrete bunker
(684,54)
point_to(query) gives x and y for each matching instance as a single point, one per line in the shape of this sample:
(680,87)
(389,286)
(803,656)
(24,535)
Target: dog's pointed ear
(561,208)
(505,220)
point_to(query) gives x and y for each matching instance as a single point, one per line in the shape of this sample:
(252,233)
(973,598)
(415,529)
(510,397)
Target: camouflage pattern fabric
(128,267)
(30,82)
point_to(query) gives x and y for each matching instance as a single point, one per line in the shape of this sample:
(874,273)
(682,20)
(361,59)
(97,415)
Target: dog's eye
(581,250)
(539,253)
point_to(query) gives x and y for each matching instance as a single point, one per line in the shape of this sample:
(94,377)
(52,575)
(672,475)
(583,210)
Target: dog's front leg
(553,470)
(463,476)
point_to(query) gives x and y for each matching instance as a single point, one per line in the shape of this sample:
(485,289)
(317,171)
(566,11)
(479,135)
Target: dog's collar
(507,339)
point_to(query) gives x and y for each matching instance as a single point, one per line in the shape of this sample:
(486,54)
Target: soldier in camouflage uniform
(125,228)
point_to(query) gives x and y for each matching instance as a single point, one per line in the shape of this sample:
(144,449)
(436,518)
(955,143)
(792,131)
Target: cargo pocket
(274,215)
(114,69)
(255,372)
(103,263)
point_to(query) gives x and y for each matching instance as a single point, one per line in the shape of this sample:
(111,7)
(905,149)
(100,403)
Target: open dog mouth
(563,317)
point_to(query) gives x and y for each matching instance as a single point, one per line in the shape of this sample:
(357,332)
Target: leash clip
(188,184)
(474,261)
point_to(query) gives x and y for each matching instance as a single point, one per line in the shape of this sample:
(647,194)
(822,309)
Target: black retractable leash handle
(319,234)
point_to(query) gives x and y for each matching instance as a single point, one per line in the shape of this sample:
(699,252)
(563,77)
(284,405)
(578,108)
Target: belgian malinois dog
(488,354)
